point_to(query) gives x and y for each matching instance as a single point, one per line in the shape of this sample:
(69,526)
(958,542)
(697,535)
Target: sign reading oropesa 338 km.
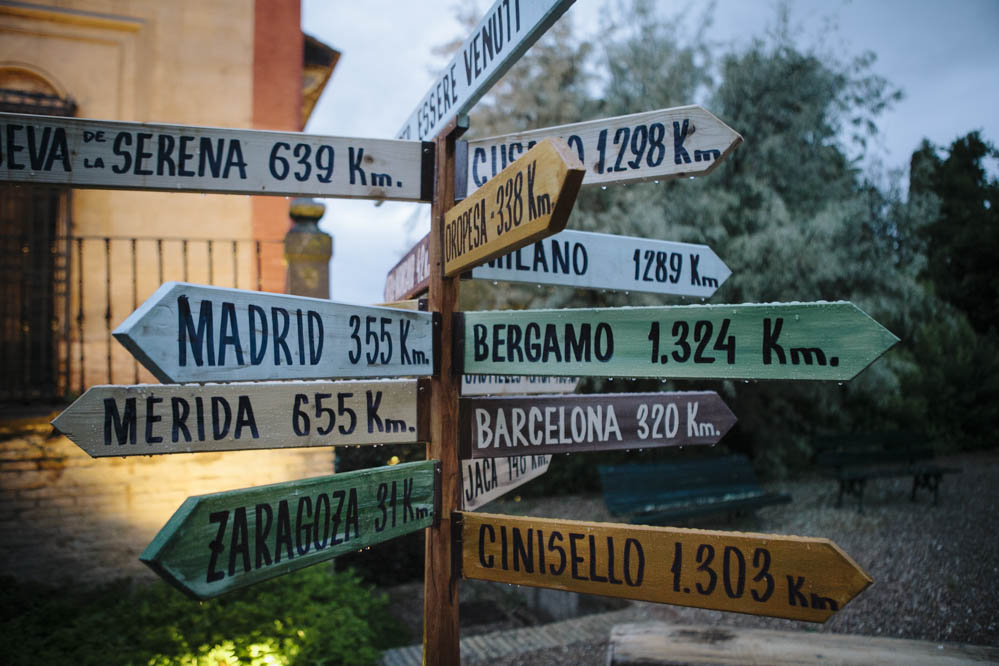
(497,42)
(530,199)
(223,541)
(154,418)
(485,479)
(683,141)
(831,341)
(601,261)
(792,577)
(193,333)
(176,158)
(504,426)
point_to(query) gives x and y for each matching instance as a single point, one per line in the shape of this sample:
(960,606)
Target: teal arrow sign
(219,542)
(826,340)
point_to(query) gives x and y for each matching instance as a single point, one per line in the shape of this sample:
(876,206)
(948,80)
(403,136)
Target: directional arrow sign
(530,199)
(495,384)
(506,31)
(153,418)
(504,426)
(797,578)
(600,261)
(223,541)
(176,158)
(411,276)
(193,333)
(832,341)
(683,141)
(485,479)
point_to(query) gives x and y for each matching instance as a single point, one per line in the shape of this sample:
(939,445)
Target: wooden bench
(658,643)
(658,493)
(853,459)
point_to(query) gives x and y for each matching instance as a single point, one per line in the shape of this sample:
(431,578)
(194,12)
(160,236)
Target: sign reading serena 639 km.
(832,341)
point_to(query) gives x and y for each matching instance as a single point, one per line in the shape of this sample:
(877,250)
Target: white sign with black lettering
(150,419)
(176,158)
(485,479)
(501,37)
(655,145)
(194,333)
(621,263)
(515,384)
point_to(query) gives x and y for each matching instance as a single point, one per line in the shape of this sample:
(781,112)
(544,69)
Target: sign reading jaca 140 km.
(193,333)
(530,199)
(178,158)
(830,341)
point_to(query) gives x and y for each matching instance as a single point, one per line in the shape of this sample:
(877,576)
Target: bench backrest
(630,487)
(871,448)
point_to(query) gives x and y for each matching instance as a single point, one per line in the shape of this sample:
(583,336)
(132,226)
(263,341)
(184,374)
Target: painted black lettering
(480,348)
(179,409)
(636,580)
(316,337)
(240,541)
(235,159)
(283,536)
(280,334)
(577,348)
(593,561)
(771,332)
(339,496)
(604,351)
(121,139)
(264,517)
(523,553)
(486,562)
(794,595)
(244,418)
(123,426)
(164,155)
(258,325)
(200,339)
(823,603)
(573,557)
(220,424)
(302,545)
(210,157)
(322,506)
(216,546)
(183,155)
(407,500)
(142,154)
(561,554)
(354,162)
(229,334)
(373,401)
(151,418)
(680,155)
(353,518)
(610,563)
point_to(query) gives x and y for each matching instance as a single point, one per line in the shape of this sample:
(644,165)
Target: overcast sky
(944,57)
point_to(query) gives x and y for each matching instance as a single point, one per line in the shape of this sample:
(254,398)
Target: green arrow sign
(831,341)
(223,541)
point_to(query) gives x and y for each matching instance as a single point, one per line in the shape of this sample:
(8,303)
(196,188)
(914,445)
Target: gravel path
(935,569)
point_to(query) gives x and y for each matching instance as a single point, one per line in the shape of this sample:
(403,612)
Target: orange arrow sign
(797,578)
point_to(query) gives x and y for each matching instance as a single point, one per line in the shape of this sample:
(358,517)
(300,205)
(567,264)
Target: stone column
(307,251)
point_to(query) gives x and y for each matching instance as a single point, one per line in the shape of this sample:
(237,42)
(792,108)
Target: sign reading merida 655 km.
(501,37)
(504,426)
(683,141)
(530,199)
(797,578)
(831,341)
(193,333)
(177,158)
(223,541)
(151,419)
(601,261)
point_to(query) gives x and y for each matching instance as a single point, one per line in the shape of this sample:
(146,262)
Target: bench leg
(860,495)
(928,480)
(839,498)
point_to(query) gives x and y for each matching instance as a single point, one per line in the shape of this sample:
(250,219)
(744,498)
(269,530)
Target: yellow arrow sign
(797,578)
(528,200)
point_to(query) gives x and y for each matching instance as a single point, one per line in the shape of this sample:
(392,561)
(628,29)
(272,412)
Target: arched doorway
(34,258)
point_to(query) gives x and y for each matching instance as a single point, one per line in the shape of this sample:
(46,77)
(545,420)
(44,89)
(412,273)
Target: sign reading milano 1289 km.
(506,31)
(830,341)
(193,333)
(178,158)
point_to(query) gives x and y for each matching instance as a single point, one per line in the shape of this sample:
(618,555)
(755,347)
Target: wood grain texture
(588,260)
(486,479)
(659,643)
(223,541)
(654,145)
(797,578)
(530,199)
(822,341)
(176,158)
(150,419)
(194,333)
(515,425)
(505,32)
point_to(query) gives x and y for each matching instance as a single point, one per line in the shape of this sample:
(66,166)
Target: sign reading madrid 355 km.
(223,541)
(193,333)
(829,340)
(178,158)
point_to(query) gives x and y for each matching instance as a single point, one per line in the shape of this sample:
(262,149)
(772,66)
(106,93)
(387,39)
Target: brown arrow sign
(528,200)
(497,427)
(797,578)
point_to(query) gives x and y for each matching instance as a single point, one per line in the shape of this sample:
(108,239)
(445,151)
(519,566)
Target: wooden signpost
(618,263)
(791,577)
(656,145)
(193,333)
(528,200)
(507,30)
(515,385)
(485,479)
(223,541)
(826,341)
(504,426)
(177,158)
(155,419)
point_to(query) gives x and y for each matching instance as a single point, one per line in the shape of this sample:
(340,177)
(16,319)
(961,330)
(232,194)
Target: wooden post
(440,581)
